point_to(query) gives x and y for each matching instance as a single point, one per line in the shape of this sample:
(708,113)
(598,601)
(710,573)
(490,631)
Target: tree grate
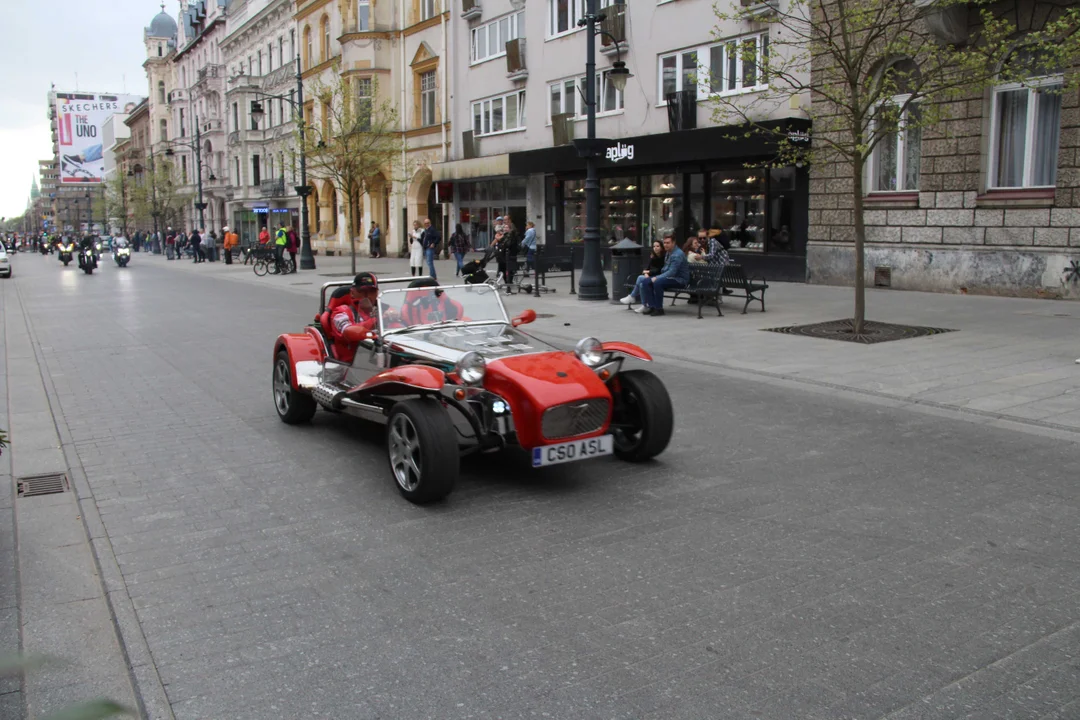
(42,485)
(873,332)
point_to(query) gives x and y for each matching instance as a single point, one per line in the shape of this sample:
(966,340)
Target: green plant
(3,440)
(97,709)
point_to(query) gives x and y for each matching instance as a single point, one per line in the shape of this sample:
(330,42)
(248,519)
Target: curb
(149,692)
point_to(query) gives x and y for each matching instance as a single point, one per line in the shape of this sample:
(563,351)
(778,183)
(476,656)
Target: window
(163,130)
(324,51)
(428,9)
(896,159)
(260,63)
(568,96)
(183,129)
(505,113)
(363,15)
(255,174)
(563,15)
(235,116)
(236,179)
(183,169)
(427,98)
(1025,130)
(281,50)
(161,92)
(364,90)
(732,66)
(308,54)
(489,40)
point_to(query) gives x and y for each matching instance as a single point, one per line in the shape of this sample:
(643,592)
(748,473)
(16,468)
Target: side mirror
(526,317)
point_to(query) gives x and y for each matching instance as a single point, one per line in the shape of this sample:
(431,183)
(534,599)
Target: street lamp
(89,213)
(593,285)
(197,147)
(307,260)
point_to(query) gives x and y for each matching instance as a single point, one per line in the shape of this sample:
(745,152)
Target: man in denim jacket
(676,273)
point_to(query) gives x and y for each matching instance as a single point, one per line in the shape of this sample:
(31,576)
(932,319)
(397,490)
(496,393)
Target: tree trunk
(349,228)
(860,251)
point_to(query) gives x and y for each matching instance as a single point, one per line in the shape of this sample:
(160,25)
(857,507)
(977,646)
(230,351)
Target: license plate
(571,451)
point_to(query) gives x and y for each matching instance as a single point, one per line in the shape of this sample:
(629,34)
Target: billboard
(79,119)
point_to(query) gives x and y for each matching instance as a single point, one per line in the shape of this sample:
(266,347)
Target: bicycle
(267,264)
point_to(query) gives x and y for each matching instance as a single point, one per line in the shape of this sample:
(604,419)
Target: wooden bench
(751,289)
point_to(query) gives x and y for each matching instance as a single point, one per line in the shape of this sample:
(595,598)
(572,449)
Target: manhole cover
(873,332)
(42,485)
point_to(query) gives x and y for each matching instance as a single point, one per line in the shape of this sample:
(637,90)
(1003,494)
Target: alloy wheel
(282,387)
(405,452)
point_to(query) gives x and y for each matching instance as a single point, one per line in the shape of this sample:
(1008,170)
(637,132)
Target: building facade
(389,51)
(518,103)
(987,201)
(259,53)
(197,112)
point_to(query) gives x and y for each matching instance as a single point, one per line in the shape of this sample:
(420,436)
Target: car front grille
(575,418)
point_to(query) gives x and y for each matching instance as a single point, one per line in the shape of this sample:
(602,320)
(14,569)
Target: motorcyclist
(353,314)
(423,306)
(88,241)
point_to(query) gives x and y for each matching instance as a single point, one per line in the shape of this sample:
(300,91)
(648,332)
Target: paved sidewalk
(1011,360)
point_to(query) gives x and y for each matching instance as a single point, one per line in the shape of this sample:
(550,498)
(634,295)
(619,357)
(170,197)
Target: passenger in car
(424,306)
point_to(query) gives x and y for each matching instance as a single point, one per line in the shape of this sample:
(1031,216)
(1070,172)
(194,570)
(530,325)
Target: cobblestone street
(795,553)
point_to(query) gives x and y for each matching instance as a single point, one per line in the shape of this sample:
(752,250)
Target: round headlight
(471,368)
(588,351)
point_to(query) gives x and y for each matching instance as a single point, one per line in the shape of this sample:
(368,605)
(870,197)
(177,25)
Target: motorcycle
(87,260)
(67,251)
(122,256)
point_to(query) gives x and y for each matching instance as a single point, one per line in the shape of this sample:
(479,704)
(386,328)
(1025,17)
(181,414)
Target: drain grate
(42,485)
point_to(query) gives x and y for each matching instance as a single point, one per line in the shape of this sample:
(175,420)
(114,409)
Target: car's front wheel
(422,447)
(643,418)
(292,407)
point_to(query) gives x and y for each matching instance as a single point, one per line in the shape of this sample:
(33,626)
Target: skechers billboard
(79,119)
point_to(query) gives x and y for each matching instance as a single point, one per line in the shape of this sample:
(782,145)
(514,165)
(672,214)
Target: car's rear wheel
(643,418)
(292,407)
(422,447)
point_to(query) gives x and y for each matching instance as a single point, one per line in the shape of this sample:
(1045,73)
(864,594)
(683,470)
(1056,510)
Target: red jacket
(421,308)
(343,316)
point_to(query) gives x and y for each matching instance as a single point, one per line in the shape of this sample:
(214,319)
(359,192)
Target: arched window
(896,161)
(1025,124)
(161,92)
(325,50)
(308,55)
(163,130)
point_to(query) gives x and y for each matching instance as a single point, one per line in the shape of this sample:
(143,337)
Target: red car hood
(535,382)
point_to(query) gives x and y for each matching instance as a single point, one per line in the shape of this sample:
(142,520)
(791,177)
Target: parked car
(5,263)
(466,380)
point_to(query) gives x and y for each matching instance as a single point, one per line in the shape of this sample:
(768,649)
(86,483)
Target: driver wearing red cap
(352,314)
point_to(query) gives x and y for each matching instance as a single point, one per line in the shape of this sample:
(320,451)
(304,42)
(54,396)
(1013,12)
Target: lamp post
(307,260)
(89,213)
(593,285)
(197,148)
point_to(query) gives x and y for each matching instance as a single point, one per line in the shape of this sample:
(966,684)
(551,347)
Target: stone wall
(953,235)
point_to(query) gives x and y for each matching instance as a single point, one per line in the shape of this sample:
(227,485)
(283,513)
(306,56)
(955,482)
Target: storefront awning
(481,167)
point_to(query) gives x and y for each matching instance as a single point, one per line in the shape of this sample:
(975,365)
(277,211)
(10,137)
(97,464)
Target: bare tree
(155,194)
(350,140)
(876,68)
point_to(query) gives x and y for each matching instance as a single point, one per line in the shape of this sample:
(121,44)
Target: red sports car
(449,374)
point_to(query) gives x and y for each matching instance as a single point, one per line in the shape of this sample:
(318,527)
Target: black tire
(88,269)
(260,268)
(643,419)
(66,263)
(293,407)
(423,431)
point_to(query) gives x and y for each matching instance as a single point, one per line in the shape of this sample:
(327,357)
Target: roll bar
(342,283)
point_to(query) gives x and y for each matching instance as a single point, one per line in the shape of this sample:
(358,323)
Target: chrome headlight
(471,368)
(588,351)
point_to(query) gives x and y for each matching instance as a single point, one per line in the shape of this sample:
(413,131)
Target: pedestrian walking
(416,250)
(374,240)
(196,246)
(170,244)
(529,243)
(459,245)
(210,246)
(431,241)
(229,242)
(291,246)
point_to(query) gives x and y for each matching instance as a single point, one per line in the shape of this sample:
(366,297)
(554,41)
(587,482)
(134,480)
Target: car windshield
(407,308)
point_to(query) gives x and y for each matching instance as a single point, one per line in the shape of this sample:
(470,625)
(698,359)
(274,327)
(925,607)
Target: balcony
(613,28)
(758,8)
(515,60)
(470,9)
(272,188)
(211,126)
(177,95)
(207,73)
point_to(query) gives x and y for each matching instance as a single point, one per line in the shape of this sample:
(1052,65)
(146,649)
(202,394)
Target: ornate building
(395,50)
(259,54)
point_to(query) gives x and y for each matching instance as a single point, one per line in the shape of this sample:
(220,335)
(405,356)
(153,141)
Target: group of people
(424,245)
(284,241)
(669,267)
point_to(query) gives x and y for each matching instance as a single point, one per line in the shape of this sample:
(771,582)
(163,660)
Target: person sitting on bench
(675,274)
(656,266)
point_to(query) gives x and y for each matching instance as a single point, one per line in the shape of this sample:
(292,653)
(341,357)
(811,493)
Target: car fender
(625,348)
(404,380)
(305,353)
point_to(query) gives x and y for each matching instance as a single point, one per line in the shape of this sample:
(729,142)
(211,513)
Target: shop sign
(620,151)
(800,138)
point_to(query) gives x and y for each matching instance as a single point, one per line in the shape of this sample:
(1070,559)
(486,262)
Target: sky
(49,41)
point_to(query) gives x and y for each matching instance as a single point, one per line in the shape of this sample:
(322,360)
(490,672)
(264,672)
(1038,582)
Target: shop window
(1025,132)
(781,209)
(738,207)
(489,40)
(568,96)
(505,113)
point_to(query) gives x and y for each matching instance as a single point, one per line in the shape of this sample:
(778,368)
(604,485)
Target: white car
(5,262)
